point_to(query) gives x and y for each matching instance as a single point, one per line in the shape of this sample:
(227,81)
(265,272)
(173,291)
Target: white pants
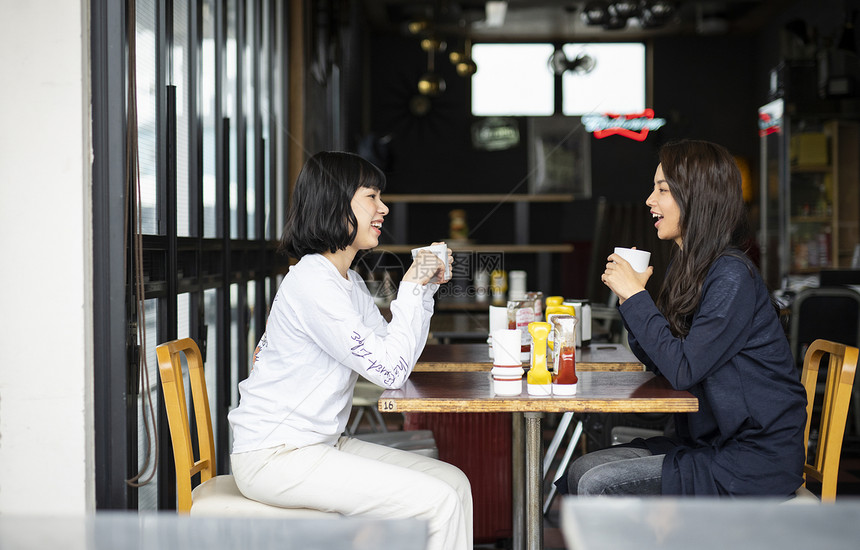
(356,478)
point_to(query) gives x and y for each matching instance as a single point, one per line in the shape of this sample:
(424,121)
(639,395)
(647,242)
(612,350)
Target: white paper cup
(506,347)
(639,259)
(507,380)
(498,318)
(441,252)
(498,321)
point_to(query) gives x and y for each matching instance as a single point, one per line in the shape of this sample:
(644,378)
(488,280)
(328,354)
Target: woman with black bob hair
(714,332)
(323,332)
(320,218)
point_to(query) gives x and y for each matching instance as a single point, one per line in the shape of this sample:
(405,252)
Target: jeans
(617,471)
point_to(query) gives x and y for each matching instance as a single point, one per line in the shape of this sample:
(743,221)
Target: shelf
(476,198)
(811,219)
(814,168)
(483,248)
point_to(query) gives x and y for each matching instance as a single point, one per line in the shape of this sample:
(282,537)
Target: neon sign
(770,118)
(634,126)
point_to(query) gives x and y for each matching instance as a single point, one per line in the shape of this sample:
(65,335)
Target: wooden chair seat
(219,496)
(216,495)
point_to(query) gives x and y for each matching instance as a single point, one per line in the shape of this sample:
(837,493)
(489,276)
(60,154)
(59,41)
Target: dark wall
(432,152)
(706,87)
(703,87)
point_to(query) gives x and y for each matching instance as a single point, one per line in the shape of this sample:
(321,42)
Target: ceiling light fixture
(431,84)
(656,13)
(495,13)
(623,9)
(466,66)
(418,26)
(594,13)
(432,43)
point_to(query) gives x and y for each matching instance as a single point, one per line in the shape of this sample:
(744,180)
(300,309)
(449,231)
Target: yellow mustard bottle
(539,379)
(553,301)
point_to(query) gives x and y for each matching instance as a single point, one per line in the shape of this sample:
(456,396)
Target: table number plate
(387,405)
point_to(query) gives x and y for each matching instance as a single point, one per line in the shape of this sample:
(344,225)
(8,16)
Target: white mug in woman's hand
(441,252)
(638,259)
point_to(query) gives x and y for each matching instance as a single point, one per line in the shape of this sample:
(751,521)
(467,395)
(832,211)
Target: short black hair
(320,217)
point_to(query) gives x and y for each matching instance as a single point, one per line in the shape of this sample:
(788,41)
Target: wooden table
(622,523)
(475,357)
(596,392)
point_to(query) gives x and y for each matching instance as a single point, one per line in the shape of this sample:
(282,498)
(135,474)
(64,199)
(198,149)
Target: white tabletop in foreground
(168,531)
(621,523)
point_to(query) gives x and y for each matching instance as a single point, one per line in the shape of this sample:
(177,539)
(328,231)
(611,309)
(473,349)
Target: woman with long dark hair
(714,332)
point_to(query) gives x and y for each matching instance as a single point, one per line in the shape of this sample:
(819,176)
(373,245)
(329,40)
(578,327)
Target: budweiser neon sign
(634,126)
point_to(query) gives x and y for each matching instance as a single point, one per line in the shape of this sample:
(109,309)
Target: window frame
(179,265)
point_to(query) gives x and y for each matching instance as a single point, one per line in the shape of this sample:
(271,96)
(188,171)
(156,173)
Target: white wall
(46,403)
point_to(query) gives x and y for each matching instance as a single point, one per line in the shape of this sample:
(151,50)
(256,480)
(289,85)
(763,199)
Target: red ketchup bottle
(566,366)
(564,343)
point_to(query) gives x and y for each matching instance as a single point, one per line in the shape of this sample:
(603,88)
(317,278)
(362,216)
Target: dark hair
(706,184)
(320,217)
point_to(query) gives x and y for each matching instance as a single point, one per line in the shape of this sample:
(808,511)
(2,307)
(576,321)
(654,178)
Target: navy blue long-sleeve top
(747,436)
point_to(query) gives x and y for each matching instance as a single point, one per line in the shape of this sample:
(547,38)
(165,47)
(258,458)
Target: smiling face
(369,212)
(664,208)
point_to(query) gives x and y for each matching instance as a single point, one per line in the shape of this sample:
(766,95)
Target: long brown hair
(706,184)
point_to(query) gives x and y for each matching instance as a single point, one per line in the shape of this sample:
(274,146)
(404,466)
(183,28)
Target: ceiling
(562,20)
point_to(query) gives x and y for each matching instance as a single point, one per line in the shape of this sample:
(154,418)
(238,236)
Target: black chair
(828,313)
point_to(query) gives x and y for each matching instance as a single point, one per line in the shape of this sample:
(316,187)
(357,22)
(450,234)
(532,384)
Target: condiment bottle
(536,296)
(564,333)
(551,313)
(520,314)
(482,285)
(499,285)
(539,379)
(583,327)
(553,301)
(458,228)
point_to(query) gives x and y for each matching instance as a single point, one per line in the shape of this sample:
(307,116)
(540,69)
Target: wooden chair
(217,495)
(841,367)
(828,313)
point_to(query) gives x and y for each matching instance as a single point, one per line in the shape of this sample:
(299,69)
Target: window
(512,79)
(517,79)
(206,74)
(616,84)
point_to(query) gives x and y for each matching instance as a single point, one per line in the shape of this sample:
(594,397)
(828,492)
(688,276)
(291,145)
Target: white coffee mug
(638,259)
(441,252)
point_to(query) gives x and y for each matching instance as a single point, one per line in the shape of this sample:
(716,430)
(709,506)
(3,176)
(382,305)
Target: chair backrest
(829,313)
(841,366)
(170,371)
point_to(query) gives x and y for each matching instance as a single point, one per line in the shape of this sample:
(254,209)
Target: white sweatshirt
(322,332)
